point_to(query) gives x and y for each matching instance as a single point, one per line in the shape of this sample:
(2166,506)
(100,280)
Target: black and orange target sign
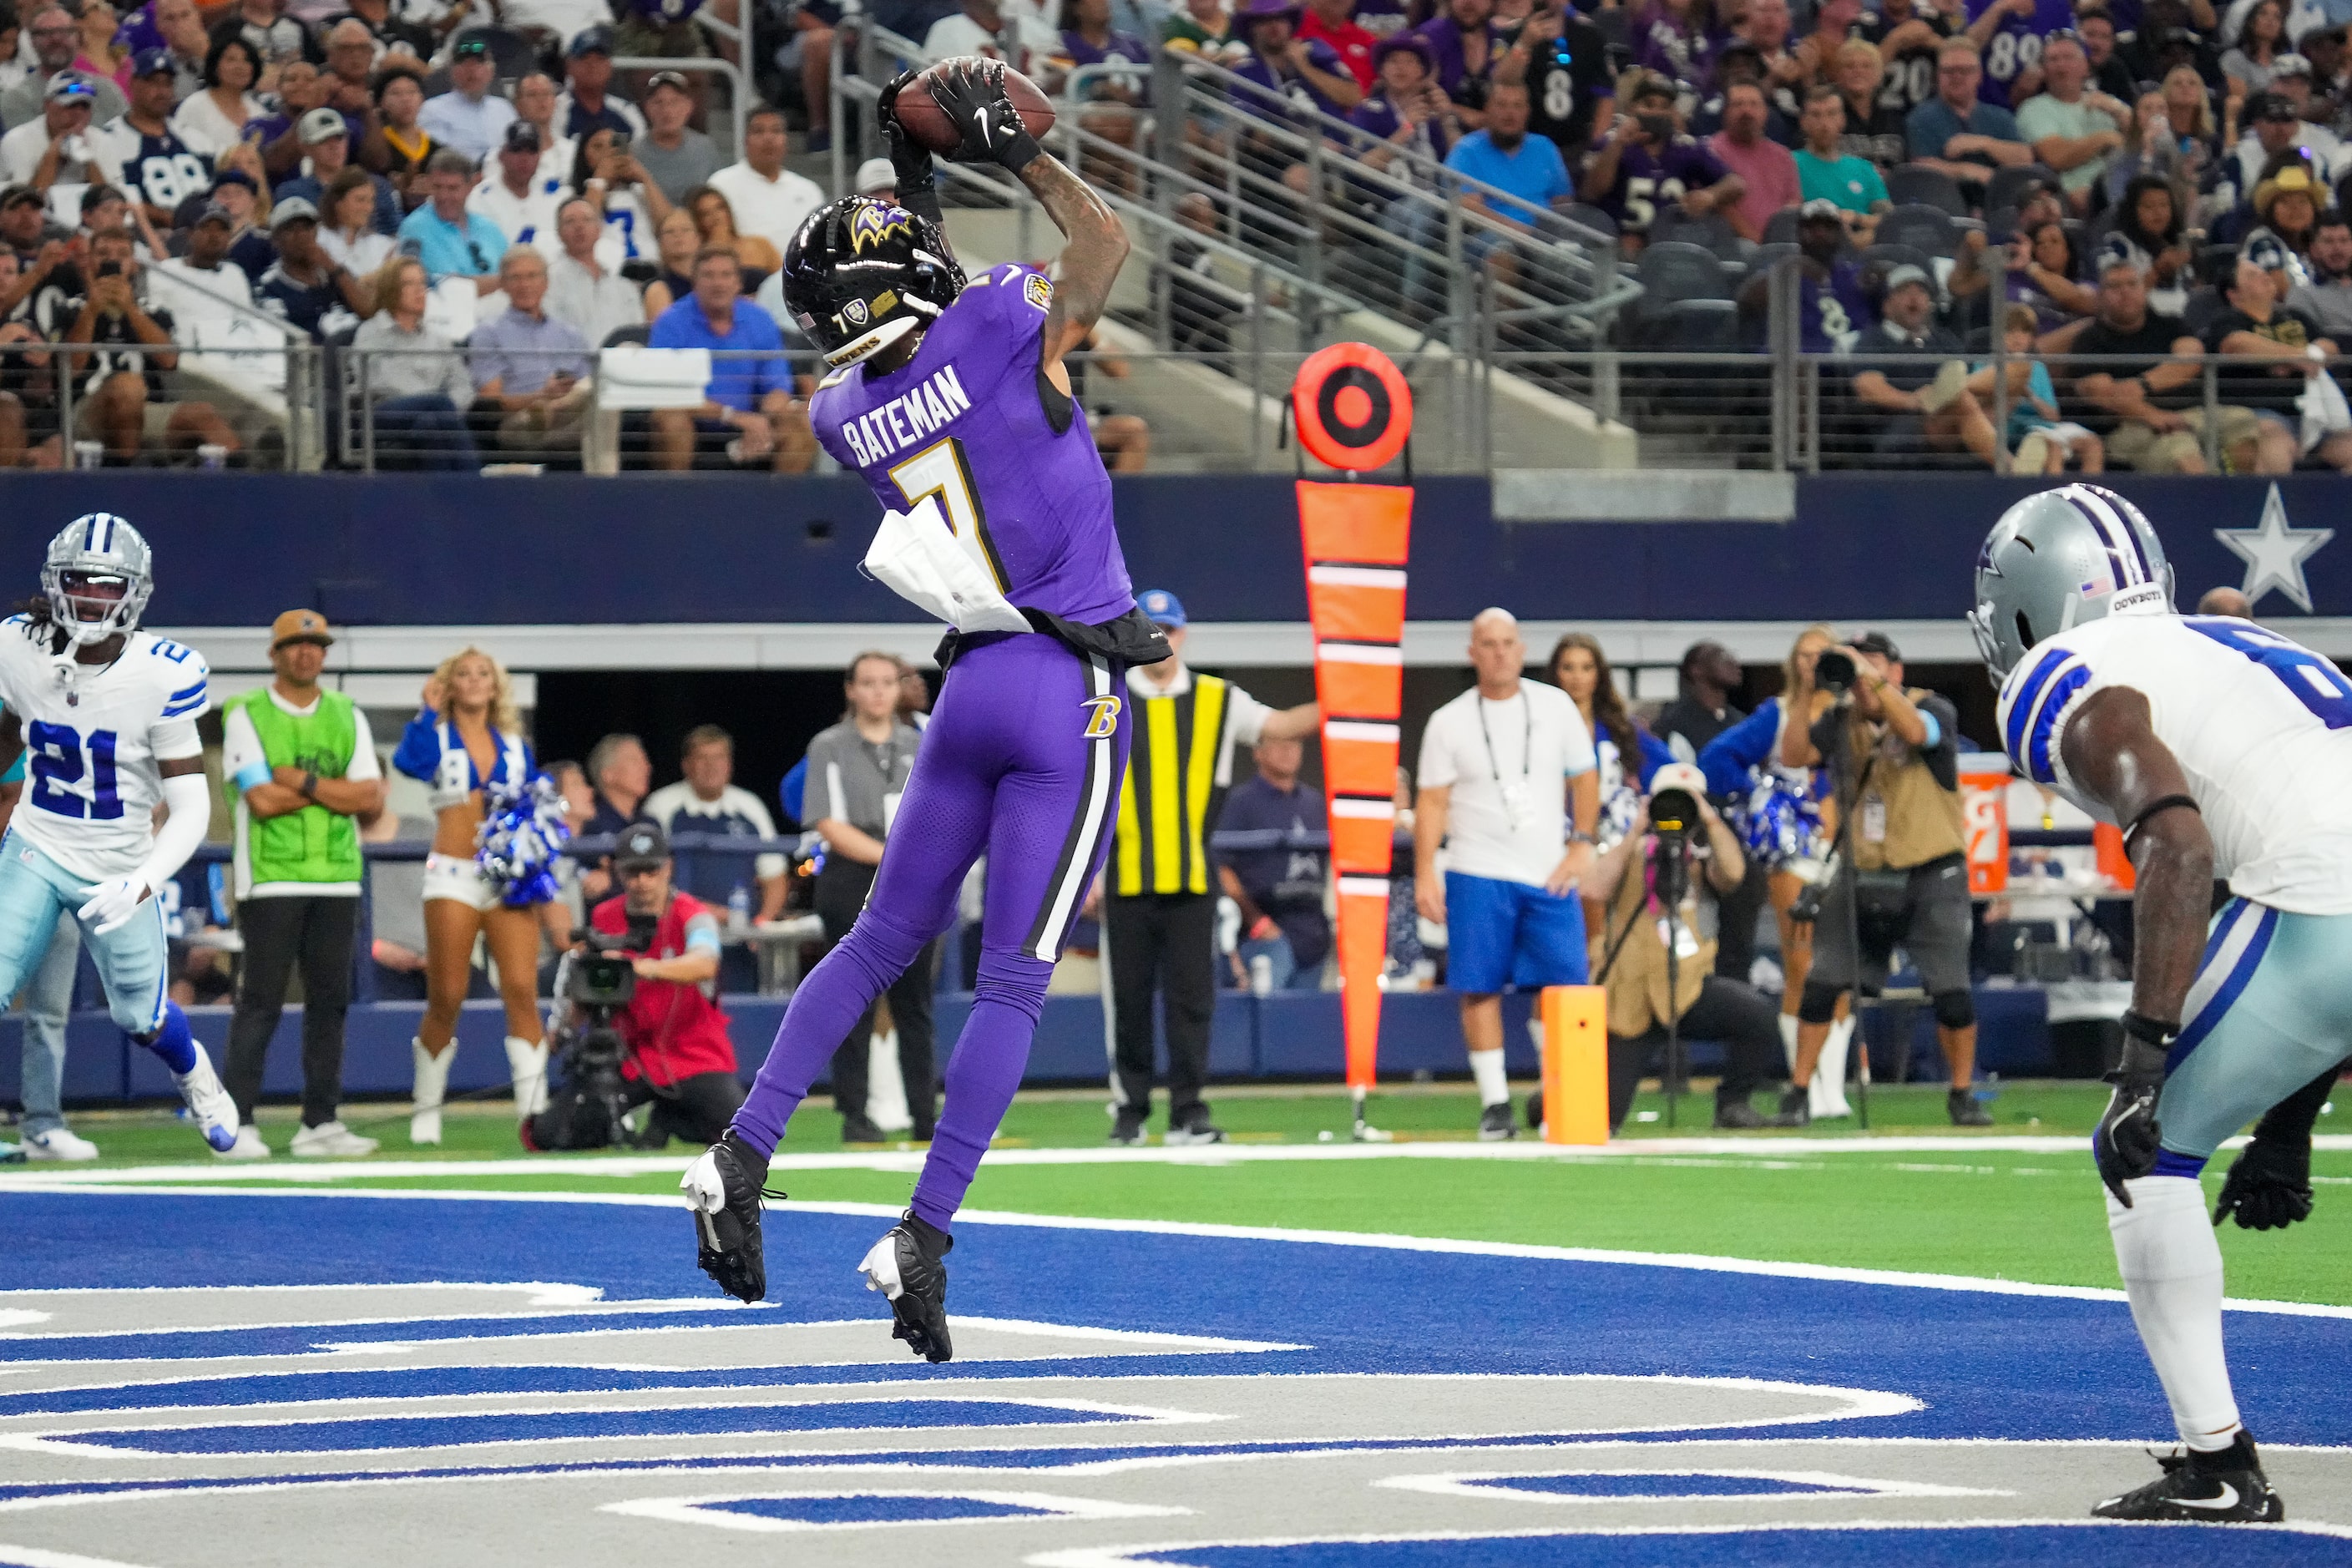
(1353,408)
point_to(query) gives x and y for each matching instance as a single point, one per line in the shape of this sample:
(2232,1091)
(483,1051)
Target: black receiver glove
(2268,1186)
(916,178)
(974,103)
(2126,1140)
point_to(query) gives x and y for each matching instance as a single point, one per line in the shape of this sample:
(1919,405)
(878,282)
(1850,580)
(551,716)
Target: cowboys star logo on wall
(874,222)
(2274,552)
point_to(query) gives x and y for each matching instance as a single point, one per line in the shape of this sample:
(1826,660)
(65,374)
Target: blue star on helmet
(874,222)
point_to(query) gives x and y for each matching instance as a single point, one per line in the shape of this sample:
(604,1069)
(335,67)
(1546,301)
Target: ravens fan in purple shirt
(955,391)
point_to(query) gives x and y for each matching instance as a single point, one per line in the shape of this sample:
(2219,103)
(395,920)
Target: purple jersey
(1647,181)
(966,421)
(1833,316)
(2016,47)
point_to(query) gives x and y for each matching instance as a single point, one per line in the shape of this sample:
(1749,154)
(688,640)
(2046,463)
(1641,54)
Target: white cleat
(209,1103)
(59,1143)
(331,1141)
(248,1145)
(432,1086)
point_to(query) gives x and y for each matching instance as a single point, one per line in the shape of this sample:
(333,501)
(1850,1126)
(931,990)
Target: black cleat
(1738,1114)
(905,1266)
(860,1128)
(725,1187)
(1796,1109)
(1495,1124)
(1966,1109)
(1126,1128)
(2227,1487)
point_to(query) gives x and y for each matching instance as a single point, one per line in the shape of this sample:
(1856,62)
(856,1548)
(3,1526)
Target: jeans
(48,999)
(425,431)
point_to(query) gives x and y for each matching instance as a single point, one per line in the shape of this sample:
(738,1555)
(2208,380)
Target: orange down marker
(1353,412)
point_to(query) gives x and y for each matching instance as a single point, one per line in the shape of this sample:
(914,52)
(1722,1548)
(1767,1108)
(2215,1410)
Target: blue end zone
(1984,1364)
(1658,1484)
(373,1434)
(897,1507)
(2013,1546)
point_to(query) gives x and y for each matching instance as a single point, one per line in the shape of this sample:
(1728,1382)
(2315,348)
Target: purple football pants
(1023,759)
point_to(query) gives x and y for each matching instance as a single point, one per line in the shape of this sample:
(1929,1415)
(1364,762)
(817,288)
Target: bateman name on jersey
(912,416)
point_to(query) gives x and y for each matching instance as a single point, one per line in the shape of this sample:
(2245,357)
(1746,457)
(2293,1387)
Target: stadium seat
(1914,185)
(1674,271)
(1923,226)
(1590,216)
(1710,231)
(2004,191)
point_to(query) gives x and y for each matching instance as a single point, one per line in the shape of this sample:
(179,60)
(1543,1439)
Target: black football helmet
(863,273)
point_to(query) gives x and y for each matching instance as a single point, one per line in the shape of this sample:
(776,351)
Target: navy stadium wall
(422,550)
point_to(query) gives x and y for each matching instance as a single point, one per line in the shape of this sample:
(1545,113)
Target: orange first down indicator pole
(1353,413)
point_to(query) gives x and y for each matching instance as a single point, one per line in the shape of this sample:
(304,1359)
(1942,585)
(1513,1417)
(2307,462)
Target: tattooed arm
(1090,262)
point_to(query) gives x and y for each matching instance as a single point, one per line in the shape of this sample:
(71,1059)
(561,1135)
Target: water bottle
(738,907)
(1261,974)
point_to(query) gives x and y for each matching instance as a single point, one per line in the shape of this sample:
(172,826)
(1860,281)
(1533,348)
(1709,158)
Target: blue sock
(173,1042)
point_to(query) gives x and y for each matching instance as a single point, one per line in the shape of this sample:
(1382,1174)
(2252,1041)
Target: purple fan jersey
(965,421)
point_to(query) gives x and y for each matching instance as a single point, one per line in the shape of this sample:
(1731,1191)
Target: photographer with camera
(639,1023)
(1662,883)
(1898,871)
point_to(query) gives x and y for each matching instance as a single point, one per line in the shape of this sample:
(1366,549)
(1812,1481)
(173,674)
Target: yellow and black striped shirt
(1172,776)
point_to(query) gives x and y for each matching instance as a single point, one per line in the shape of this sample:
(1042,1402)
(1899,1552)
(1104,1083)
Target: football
(924,122)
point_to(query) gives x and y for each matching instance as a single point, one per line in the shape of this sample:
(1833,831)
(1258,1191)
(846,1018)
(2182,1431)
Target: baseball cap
(299,626)
(597,40)
(875,174)
(474,49)
(64,85)
(640,844)
(214,213)
(235,177)
(18,195)
(293,209)
(1878,642)
(668,78)
(1163,607)
(1907,273)
(2290,65)
(152,62)
(322,125)
(522,136)
(95,197)
(1821,207)
(1679,776)
(2266,250)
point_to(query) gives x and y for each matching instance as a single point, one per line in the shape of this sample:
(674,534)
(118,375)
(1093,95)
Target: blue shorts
(35,891)
(1507,933)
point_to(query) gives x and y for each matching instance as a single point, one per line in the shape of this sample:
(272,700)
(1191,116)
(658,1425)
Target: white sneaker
(248,1145)
(330,1140)
(209,1103)
(58,1144)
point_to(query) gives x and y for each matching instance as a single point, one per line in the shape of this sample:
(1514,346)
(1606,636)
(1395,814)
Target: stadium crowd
(2143,179)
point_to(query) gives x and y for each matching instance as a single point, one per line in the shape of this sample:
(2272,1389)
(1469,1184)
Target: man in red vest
(679,1056)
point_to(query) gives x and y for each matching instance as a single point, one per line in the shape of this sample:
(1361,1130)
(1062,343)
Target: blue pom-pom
(523,830)
(1780,821)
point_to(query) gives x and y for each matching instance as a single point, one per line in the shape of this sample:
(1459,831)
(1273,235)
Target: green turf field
(2020,1216)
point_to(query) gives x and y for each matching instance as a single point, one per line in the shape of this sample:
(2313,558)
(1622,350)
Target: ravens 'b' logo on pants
(1102,716)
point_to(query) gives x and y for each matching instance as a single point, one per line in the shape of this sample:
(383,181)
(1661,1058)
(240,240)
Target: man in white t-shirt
(1504,768)
(769,200)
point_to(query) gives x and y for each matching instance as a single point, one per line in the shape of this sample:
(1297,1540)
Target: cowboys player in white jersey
(106,716)
(2220,749)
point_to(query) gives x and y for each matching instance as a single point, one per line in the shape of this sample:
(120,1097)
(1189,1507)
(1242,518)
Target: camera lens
(1834,672)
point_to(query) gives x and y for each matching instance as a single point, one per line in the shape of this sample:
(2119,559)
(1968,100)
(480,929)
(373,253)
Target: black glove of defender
(2269,1187)
(2126,1143)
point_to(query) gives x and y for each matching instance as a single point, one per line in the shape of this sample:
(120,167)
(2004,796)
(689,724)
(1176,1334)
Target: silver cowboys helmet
(97,577)
(2061,558)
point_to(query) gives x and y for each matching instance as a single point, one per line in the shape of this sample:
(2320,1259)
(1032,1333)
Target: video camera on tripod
(598,979)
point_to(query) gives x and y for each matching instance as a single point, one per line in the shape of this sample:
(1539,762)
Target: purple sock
(823,1011)
(989,1058)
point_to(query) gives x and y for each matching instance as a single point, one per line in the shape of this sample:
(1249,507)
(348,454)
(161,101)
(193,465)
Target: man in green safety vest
(300,768)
